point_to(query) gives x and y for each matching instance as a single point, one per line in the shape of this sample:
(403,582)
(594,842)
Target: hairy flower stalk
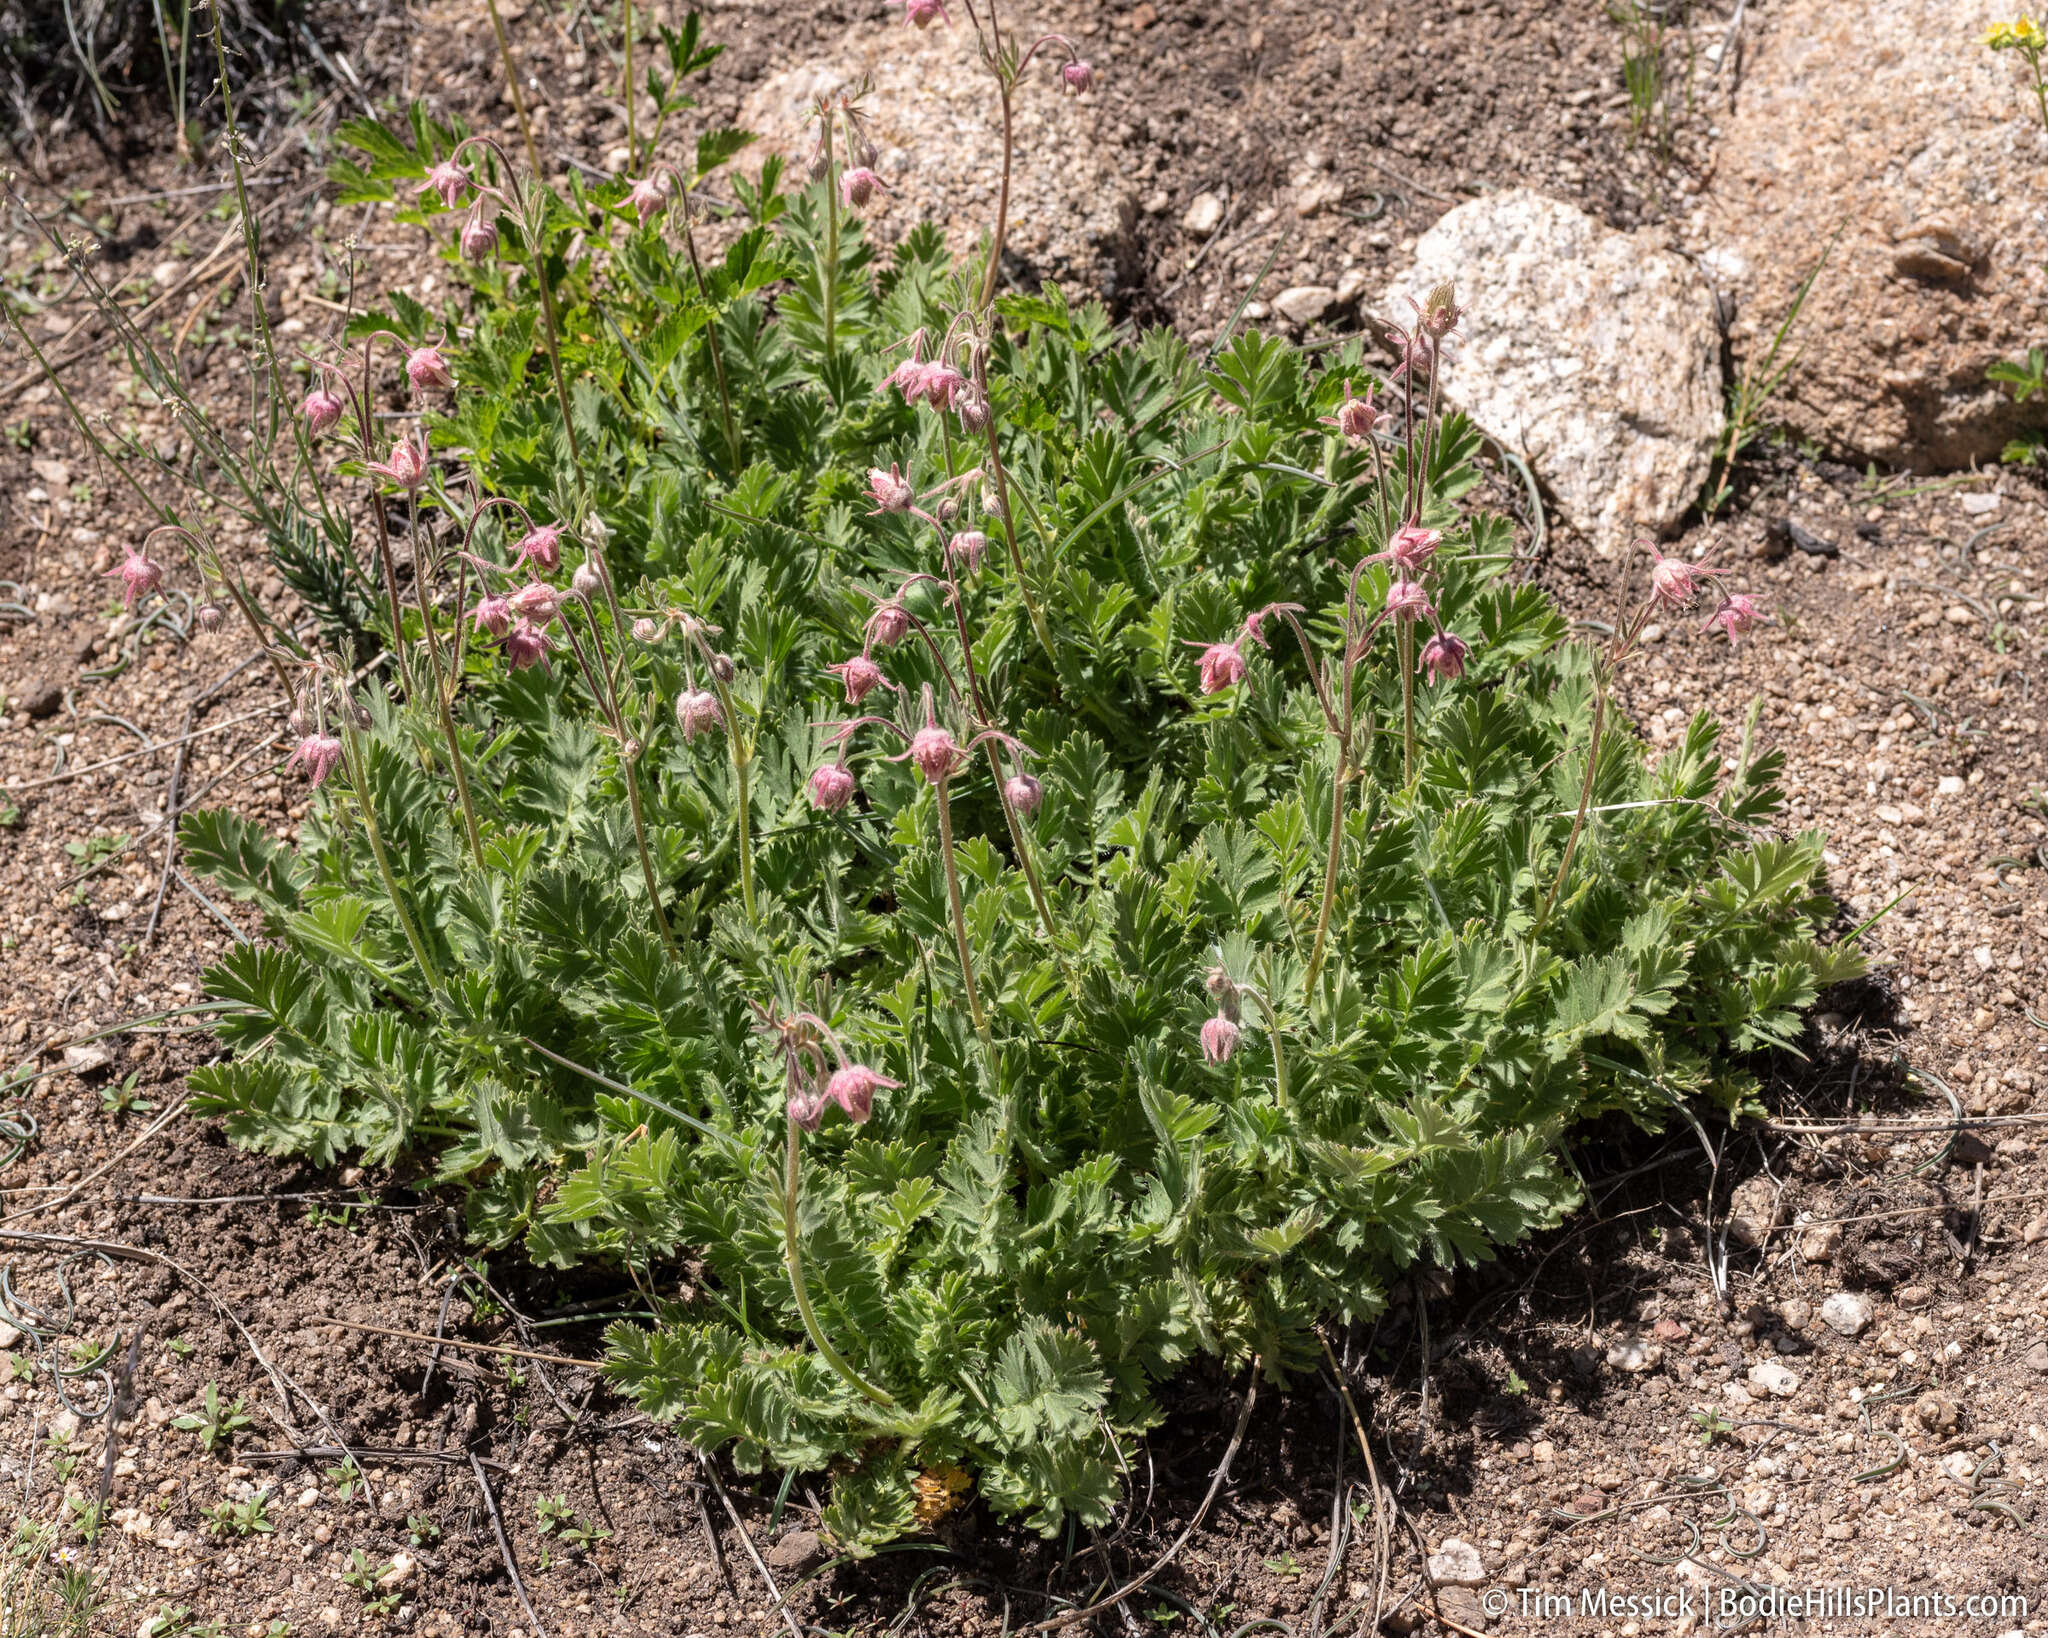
(359,778)
(742,752)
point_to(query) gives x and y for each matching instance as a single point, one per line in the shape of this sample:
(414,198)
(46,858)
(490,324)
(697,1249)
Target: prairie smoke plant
(139,574)
(1221,666)
(318,754)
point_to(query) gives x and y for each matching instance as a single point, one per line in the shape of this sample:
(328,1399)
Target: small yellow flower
(2021,34)
(940,1488)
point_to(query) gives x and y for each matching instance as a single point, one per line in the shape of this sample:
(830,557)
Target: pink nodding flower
(536,601)
(1737,614)
(139,574)
(322,410)
(317,754)
(807,1110)
(492,614)
(540,546)
(448,179)
(1417,356)
(407,466)
(526,644)
(1411,548)
(941,385)
(479,234)
(648,198)
(1219,1039)
(1077,76)
(1674,582)
(426,368)
(936,752)
(1357,419)
(586,582)
(211,617)
(698,712)
(1444,655)
(907,378)
(890,491)
(966,549)
(831,787)
(1025,793)
(853,1089)
(924,13)
(1222,667)
(645,630)
(858,186)
(888,625)
(1407,600)
(861,676)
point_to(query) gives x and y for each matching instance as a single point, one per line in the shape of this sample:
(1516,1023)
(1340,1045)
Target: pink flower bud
(722,667)
(479,234)
(1221,987)
(1358,418)
(853,1089)
(586,582)
(1026,794)
(211,616)
(526,644)
(295,722)
(1077,76)
(970,403)
(698,712)
(139,574)
(924,13)
(1674,582)
(1411,548)
(317,754)
(536,601)
(1222,666)
(861,676)
(448,179)
(1443,657)
(648,199)
(807,1110)
(907,378)
(645,630)
(888,625)
(1407,600)
(407,466)
(322,409)
(941,385)
(936,753)
(1737,614)
(492,614)
(858,186)
(966,549)
(890,491)
(1219,1039)
(540,547)
(831,787)
(426,369)
(1440,311)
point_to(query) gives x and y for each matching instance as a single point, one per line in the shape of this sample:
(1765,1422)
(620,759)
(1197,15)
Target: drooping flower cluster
(811,1089)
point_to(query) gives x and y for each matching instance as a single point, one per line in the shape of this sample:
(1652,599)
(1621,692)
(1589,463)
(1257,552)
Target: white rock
(1846,1312)
(401,1571)
(1204,215)
(1774,1379)
(1594,353)
(83,1060)
(1304,303)
(1326,193)
(1351,285)
(1635,1354)
(1457,1564)
(1978,505)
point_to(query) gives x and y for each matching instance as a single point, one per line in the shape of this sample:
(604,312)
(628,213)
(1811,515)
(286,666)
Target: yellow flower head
(2021,34)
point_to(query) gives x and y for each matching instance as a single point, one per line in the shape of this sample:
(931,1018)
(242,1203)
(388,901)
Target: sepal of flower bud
(832,787)
(888,625)
(936,753)
(540,546)
(479,234)
(807,1110)
(526,644)
(317,754)
(211,617)
(646,631)
(648,199)
(1736,615)
(965,550)
(407,465)
(971,404)
(859,186)
(1444,656)
(1219,1039)
(322,409)
(698,712)
(492,614)
(1409,600)
(536,601)
(1077,76)
(448,179)
(1026,794)
(890,490)
(1222,666)
(853,1089)
(861,676)
(427,369)
(586,582)
(139,574)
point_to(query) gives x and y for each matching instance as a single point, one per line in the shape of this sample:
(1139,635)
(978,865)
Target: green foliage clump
(587,987)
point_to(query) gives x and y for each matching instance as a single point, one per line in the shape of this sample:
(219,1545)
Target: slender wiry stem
(444,686)
(732,437)
(537,245)
(793,1259)
(828,274)
(1020,839)
(959,914)
(995,248)
(668,937)
(1332,866)
(390,571)
(1405,646)
(742,765)
(359,777)
(995,465)
(512,89)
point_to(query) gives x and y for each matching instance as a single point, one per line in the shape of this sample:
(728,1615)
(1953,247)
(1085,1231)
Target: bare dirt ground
(1554,1411)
